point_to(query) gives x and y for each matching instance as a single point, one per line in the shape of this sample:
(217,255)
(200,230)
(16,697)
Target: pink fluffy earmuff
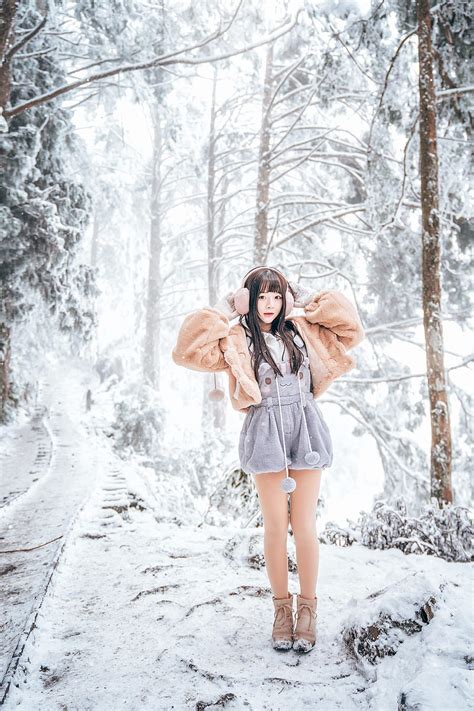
(242,296)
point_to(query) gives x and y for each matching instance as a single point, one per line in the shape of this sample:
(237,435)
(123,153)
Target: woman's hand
(226,305)
(302,294)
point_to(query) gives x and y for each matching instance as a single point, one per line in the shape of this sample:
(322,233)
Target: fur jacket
(329,327)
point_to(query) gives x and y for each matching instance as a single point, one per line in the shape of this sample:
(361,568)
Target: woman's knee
(276,528)
(273,504)
(303,530)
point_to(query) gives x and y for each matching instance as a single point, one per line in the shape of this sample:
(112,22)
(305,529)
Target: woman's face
(269,305)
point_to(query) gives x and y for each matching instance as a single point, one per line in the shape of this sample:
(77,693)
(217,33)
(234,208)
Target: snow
(131,573)
(43,500)
(29,442)
(149,607)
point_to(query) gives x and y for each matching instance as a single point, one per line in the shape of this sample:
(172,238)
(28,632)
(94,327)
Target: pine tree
(44,211)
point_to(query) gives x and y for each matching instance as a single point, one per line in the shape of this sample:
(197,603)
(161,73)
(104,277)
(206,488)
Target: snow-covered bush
(190,464)
(447,532)
(138,421)
(339,535)
(234,497)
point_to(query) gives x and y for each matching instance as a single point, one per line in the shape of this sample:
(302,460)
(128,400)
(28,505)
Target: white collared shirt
(276,347)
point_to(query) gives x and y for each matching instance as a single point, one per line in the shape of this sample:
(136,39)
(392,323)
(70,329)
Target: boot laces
(312,613)
(280,619)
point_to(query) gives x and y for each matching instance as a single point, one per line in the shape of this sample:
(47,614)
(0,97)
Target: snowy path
(32,445)
(145,611)
(43,486)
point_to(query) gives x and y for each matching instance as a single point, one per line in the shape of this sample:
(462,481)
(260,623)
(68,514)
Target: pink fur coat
(329,327)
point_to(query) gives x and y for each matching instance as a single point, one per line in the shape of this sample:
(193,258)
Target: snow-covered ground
(147,609)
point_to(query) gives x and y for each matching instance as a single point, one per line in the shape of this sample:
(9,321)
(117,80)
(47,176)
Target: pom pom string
(311,457)
(288,484)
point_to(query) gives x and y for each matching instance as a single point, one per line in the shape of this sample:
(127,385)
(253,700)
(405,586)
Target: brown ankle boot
(282,633)
(305,629)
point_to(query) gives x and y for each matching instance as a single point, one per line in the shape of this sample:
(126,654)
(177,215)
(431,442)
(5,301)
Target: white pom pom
(216,394)
(312,458)
(288,484)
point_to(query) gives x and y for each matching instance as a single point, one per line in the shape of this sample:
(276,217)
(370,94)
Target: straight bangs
(271,284)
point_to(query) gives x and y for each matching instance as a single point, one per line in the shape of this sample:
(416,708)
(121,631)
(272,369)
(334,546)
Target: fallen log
(379,624)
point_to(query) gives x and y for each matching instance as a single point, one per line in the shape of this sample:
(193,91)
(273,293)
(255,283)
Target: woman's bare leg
(303,504)
(274,506)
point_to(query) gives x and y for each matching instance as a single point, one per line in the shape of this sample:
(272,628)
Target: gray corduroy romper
(288,405)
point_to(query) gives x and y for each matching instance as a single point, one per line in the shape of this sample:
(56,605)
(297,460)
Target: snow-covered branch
(161,61)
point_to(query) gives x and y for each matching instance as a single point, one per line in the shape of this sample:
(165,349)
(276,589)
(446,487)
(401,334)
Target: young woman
(277,366)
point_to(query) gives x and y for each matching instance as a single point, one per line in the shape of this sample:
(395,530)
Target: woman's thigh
(304,499)
(273,500)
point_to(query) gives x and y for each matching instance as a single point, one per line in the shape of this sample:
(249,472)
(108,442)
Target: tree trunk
(8,10)
(220,221)
(152,334)
(263,180)
(439,411)
(95,239)
(214,409)
(5,354)
(211,184)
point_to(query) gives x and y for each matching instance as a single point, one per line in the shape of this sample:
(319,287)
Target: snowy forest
(152,153)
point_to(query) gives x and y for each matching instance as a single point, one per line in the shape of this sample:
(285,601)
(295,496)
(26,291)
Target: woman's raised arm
(197,346)
(334,311)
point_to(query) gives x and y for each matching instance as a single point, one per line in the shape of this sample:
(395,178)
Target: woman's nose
(270,301)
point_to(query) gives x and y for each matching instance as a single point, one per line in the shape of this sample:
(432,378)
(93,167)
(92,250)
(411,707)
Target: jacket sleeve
(334,311)
(197,346)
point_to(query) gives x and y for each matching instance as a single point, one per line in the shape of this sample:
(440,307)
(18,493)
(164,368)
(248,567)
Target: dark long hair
(263,280)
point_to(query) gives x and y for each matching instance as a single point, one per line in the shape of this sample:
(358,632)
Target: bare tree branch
(25,40)
(164,60)
(321,219)
(373,430)
(385,84)
(409,376)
